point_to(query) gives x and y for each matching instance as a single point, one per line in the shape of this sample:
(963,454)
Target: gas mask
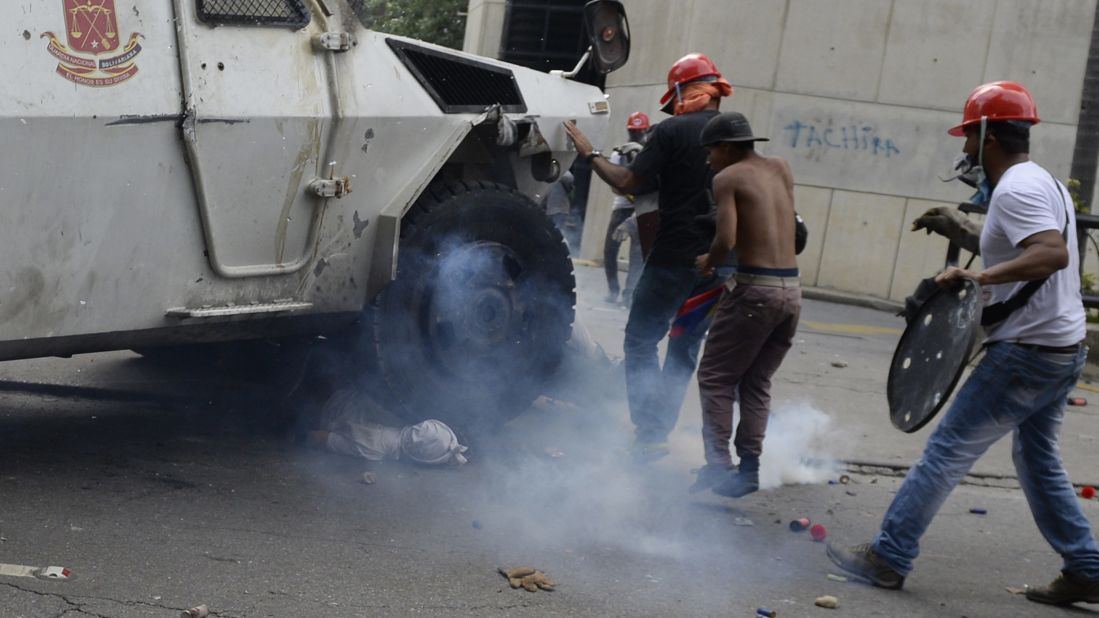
(972,172)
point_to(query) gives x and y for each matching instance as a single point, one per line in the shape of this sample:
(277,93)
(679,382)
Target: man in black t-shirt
(673,156)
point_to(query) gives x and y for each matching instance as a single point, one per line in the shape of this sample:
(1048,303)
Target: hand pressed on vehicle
(579,140)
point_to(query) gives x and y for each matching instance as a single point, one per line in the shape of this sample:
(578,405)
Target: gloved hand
(528,579)
(952,223)
(620,233)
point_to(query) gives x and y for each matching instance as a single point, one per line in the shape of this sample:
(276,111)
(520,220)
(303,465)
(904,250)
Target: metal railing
(1084,224)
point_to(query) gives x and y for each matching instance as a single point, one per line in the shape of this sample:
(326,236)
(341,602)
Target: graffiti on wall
(858,137)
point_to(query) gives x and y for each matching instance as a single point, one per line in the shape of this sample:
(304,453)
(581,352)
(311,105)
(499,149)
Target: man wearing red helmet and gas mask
(625,207)
(1034,353)
(674,158)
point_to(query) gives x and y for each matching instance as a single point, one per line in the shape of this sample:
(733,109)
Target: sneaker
(710,475)
(646,452)
(1066,590)
(742,481)
(866,564)
(737,484)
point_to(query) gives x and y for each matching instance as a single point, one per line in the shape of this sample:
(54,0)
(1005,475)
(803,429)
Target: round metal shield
(931,355)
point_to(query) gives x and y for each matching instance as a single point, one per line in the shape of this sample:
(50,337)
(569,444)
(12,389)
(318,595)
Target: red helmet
(687,69)
(638,121)
(997,101)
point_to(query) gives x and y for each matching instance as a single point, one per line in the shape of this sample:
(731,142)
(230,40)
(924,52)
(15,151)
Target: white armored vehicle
(183,172)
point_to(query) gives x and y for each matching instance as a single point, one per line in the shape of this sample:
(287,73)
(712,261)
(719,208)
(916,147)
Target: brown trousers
(752,331)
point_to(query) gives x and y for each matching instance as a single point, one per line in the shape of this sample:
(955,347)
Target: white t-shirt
(642,204)
(620,201)
(1028,200)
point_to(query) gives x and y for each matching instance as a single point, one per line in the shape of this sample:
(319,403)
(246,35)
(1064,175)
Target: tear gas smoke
(800,447)
(559,478)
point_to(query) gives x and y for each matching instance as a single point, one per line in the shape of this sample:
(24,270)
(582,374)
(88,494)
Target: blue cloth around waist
(769,272)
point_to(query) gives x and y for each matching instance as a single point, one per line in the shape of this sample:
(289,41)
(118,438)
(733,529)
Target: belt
(1065,349)
(769,281)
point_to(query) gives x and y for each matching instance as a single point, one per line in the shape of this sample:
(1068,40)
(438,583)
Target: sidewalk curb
(980,479)
(850,298)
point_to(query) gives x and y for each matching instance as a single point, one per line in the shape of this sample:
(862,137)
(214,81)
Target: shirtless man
(758,316)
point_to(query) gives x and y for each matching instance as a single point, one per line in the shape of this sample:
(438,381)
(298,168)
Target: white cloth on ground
(349,432)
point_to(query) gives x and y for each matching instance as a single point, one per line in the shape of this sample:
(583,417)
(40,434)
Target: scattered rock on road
(527,578)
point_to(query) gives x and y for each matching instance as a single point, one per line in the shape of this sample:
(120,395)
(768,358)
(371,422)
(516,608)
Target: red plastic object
(800,524)
(1077,401)
(1087,493)
(818,532)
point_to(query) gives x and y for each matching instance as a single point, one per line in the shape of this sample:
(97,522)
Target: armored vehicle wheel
(481,308)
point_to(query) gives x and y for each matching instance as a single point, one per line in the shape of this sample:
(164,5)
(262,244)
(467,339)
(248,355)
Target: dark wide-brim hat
(728,127)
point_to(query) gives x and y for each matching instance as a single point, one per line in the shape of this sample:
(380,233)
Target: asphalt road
(161,492)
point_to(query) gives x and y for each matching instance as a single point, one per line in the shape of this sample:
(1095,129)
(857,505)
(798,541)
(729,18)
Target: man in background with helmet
(1034,355)
(674,158)
(625,206)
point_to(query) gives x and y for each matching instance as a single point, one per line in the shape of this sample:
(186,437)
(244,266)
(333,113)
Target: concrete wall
(485,27)
(857,95)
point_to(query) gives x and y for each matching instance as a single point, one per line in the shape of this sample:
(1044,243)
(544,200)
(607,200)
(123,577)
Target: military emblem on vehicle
(91,27)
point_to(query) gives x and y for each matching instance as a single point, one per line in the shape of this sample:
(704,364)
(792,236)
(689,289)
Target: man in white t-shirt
(624,207)
(1033,358)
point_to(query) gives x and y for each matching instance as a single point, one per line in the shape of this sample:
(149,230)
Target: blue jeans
(1017,389)
(654,393)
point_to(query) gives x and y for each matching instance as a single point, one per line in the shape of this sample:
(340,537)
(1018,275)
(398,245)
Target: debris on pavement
(476,524)
(836,578)
(839,364)
(827,601)
(1077,401)
(368,478)
(17,570)
(527,578)
(763,612)
(199,611)
(553,453)
(348,430)
(844,479)
(743,521)
(55,572)
(978,511)
(1087,492)
(800,524)
(818,532)
(1016,589)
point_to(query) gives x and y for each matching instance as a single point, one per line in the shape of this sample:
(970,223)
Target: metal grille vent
(290,13)
(460,85)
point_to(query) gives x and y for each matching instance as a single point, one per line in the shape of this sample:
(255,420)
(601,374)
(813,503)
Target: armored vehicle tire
(482,305)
